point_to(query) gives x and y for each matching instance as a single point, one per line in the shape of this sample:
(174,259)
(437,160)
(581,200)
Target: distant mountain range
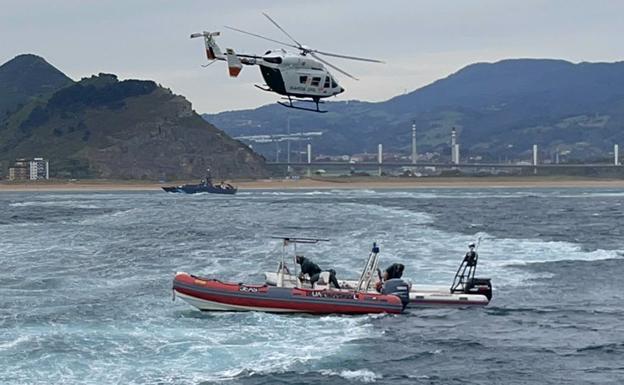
(106,128)
(499,109)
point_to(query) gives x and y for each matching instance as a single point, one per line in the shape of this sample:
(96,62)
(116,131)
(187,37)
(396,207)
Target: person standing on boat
(471,256)
(314,271)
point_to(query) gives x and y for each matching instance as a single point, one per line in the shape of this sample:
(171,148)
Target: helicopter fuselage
(297,76)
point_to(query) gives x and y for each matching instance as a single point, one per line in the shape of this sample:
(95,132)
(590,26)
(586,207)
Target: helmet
(471,245)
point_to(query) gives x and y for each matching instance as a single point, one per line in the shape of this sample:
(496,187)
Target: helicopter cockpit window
(275,60)
(303,79)
(334,84)
(326,85)
(316,81)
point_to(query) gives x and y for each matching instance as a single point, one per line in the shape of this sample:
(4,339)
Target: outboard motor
(397,287)
(481,286)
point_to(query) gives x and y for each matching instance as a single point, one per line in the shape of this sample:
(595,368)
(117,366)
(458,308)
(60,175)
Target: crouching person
(314,271)
(393,271)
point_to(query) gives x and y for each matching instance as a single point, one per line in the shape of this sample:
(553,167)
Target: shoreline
(328,184)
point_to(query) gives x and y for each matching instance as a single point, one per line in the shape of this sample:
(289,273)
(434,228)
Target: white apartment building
(39,169)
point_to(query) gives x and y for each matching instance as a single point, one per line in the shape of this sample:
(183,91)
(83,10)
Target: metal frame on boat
(466,290)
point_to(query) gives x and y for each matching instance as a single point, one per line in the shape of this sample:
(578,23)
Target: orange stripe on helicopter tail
(210,53)
(234,71)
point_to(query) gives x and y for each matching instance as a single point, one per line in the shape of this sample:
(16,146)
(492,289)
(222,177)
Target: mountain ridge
(514,102)
(26,77)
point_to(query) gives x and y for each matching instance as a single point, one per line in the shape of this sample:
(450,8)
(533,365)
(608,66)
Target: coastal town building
(39,169)
(20,170)
(33,169)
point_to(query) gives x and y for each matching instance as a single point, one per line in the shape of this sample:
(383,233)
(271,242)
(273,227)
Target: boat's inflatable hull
(211,295)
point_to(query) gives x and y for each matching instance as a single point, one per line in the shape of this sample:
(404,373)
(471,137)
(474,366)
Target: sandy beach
(328,183)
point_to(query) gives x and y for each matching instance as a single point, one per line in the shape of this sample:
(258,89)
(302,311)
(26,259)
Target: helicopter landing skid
(291,105)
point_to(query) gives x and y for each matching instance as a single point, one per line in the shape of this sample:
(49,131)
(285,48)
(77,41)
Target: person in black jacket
(314,271)
(393,271)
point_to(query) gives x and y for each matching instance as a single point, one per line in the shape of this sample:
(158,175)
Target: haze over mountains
(106,128)
(499,109)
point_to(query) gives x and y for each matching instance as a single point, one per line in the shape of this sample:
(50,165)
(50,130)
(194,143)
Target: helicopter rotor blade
(347,57)
(282,29)
(261,37)
(333,66)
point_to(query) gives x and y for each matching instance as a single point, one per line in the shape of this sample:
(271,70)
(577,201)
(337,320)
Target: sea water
(85,284)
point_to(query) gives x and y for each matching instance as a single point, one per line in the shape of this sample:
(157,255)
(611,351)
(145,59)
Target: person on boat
(314,271)
(471,256)
(393,271)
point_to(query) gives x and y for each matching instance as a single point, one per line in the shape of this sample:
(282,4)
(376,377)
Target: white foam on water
(295,193)
(593,194)
(432,255)
(361,375)
(14,343)
(204,348)
(305,193)
(56,203)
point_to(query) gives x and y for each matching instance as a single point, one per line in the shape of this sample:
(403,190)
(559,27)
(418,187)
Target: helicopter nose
(341,90)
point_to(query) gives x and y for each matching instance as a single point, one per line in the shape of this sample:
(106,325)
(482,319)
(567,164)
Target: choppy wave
(87,298)
(361,375)
(72,204)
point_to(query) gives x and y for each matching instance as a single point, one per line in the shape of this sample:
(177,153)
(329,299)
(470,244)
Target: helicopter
(298,77)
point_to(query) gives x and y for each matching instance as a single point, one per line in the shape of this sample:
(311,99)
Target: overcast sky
(421,41)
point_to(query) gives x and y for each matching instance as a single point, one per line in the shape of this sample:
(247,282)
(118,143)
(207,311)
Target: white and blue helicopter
(297,76)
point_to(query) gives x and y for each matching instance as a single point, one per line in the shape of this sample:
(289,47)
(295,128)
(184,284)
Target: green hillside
(25,78)
(132,129)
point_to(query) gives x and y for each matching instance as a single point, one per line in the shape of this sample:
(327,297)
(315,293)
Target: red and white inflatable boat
(211,294)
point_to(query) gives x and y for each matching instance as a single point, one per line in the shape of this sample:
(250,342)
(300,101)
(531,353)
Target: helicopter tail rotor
(213,52)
